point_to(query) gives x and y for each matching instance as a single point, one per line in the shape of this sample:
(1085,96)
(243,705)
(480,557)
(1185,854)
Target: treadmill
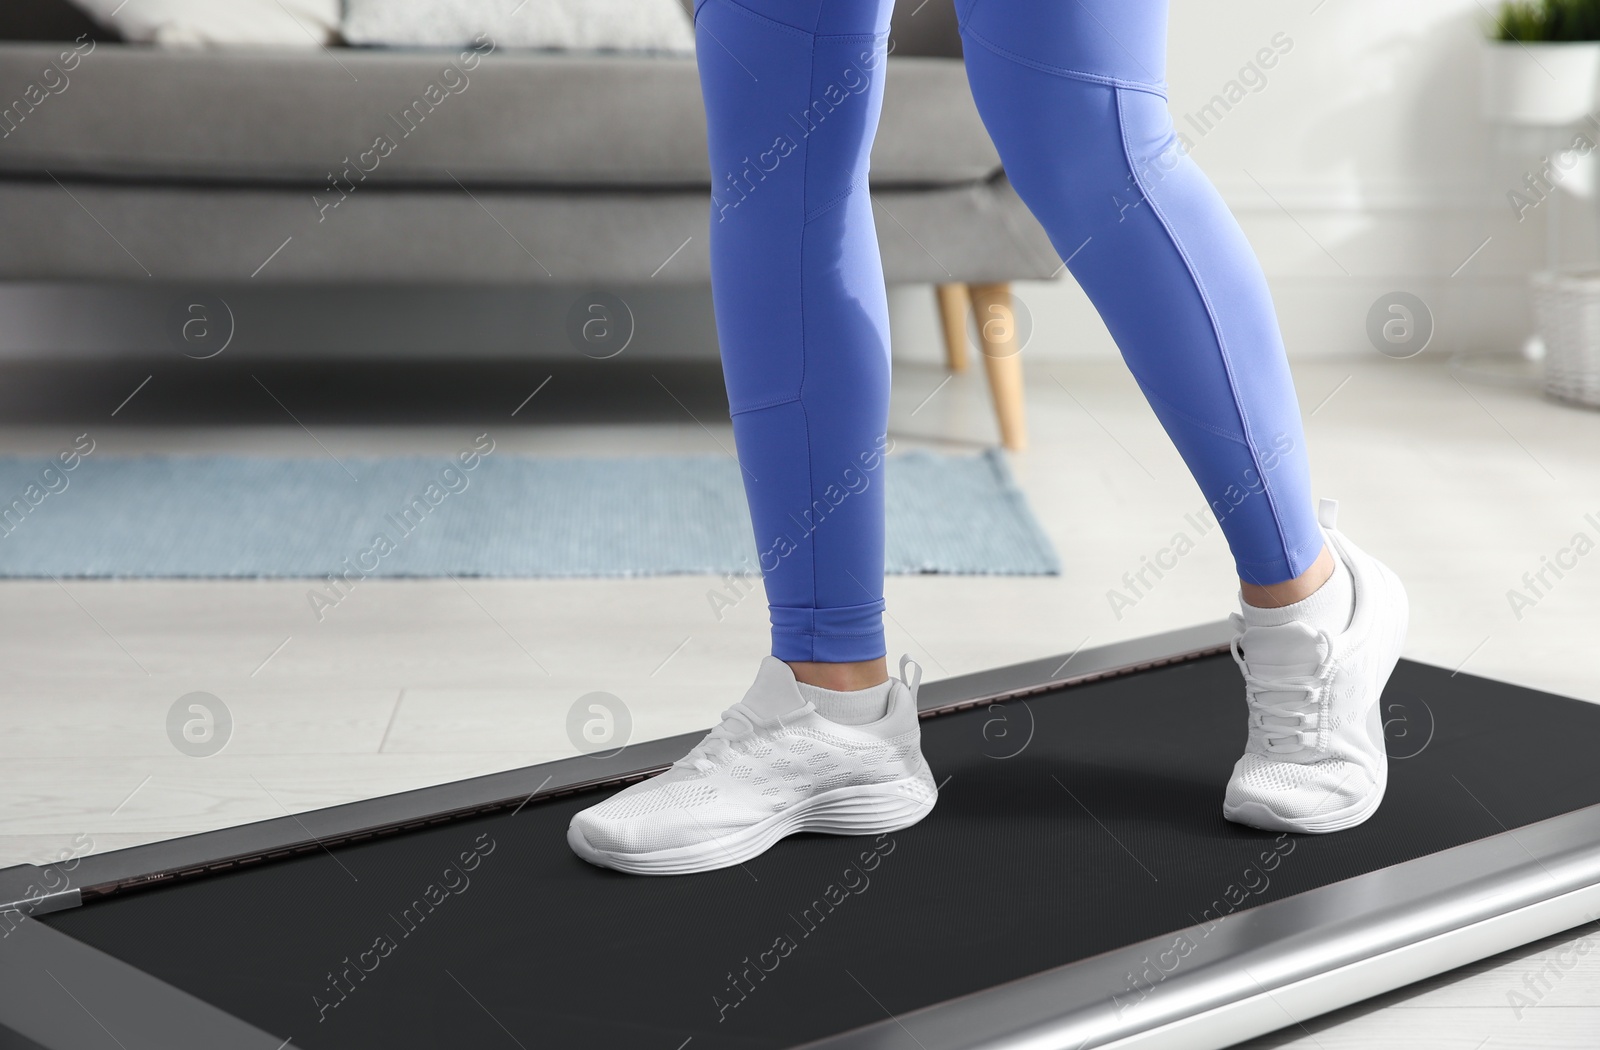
(1076,886)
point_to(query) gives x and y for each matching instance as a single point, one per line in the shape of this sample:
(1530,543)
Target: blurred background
(268,269)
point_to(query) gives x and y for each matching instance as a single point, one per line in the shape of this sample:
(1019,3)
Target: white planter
(1547,84)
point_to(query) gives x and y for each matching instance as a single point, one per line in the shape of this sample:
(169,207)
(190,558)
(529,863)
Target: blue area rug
(513,516)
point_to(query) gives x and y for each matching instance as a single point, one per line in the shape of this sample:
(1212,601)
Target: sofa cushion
(220,23)
(485,116)
(568,25)
(213,236)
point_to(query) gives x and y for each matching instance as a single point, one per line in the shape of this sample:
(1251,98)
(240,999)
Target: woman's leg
(823,740)
(792,92)
(1073,95)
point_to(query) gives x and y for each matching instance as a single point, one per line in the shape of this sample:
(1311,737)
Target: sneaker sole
(1259,815)
(863,809)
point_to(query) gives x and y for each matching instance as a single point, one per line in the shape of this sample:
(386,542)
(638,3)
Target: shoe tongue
(1284,649)
(774,692)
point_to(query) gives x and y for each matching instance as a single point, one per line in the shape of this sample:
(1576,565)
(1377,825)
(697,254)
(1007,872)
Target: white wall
(1359,168)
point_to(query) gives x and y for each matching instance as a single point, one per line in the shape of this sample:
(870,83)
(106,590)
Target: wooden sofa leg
(953,301)
(997,328)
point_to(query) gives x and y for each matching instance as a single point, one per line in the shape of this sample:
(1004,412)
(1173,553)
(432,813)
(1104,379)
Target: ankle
(1289,592)
(841,677)
(1329,607)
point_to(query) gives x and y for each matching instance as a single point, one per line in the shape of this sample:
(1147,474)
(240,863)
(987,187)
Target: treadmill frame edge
(1256,1015)
(38,890)
(1414,919)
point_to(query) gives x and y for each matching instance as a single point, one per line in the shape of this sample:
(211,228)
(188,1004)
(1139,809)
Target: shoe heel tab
(915,680)
(1327,513)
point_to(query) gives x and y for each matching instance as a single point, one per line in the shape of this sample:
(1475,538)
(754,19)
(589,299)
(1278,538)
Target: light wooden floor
(1462,488)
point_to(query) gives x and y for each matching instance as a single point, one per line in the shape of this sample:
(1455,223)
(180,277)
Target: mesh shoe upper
(771,751)
(1316,732)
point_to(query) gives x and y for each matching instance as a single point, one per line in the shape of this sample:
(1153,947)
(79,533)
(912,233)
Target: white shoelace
(1300,717)
(718,743)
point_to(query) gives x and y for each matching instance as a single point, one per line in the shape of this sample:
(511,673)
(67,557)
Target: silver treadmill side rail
(1213,985)
(1246,1018)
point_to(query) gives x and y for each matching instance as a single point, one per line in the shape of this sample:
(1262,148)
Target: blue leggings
(1073,95)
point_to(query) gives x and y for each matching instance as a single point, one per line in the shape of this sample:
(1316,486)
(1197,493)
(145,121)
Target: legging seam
(769,20)
(1158,90)
(1273,569)
(1216,329)
(1194,421)
(817,212)
(760,405)
(874,603)
(756,16)
(814,630)
(850,36)
(805,417)
(1269,568)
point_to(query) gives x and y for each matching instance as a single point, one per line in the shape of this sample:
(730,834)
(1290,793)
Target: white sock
(1328,608)
(854,708)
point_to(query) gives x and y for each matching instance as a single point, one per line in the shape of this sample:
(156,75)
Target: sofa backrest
(919,27)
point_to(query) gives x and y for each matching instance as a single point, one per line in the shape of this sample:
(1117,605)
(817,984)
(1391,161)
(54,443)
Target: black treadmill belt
(1101,828)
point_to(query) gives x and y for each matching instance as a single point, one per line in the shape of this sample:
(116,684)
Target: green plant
(1548,21)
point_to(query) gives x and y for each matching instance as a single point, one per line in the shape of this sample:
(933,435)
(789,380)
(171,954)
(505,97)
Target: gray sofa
(239,165)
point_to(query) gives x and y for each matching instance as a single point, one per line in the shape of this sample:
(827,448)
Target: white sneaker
(773,767)
(1315,761)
